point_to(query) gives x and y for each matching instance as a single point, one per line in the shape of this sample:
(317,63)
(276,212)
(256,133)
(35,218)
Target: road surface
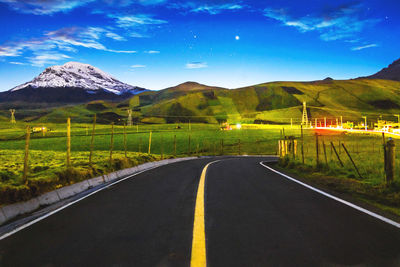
(252,217)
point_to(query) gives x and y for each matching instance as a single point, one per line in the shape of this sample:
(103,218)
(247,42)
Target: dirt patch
(292,90)
(384,104)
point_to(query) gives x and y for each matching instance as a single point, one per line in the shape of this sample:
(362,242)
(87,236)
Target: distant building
(39,129)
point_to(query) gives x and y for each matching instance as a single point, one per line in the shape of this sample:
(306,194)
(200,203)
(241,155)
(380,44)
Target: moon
(237,37)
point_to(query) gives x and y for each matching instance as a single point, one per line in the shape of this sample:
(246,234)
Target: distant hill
(392,72)
(183,89)
(72,82)
(275,102)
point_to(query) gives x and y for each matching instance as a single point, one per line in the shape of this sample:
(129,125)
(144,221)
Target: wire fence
(38,157)
(360,156)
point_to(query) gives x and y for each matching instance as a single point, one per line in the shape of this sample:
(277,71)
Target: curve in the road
(246,215)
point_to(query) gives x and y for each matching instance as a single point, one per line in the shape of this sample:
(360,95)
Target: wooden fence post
(302,145)
(286,147)
(92,140)
(26,157)
(175,145)
(280,148)
(189,147)
(326,158)
(292,141)
(68,142)
(111,144)
(348,154)
(384,152)
(337,155)
(162,147)
(149,143)
(125,146)
(317,148)
(390,147)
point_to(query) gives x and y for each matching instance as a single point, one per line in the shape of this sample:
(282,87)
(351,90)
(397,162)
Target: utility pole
(12,111)
(304,119)
(365,123)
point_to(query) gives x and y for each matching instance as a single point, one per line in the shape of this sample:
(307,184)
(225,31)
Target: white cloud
(44,7)
(138,35)
(364,47)
(136,26)
(196,65)
(152,52)
(342,23)
(211,9)
(49,7)
(216,9)
(115,36)
(17,63)
(40,60)
(132,21)
(138,66)
(52,46)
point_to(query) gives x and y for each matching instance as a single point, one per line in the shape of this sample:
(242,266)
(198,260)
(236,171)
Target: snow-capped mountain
(79,75)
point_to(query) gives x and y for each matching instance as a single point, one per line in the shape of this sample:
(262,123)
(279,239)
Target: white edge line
(69,204)
(377,216)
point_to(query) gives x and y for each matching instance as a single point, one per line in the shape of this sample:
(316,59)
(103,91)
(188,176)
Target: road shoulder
(328,188)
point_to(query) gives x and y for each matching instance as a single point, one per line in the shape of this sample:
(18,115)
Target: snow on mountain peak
(77,75)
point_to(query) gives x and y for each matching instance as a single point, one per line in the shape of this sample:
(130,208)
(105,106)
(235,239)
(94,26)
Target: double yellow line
(199,258)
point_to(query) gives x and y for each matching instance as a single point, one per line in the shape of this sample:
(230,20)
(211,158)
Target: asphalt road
(253,217)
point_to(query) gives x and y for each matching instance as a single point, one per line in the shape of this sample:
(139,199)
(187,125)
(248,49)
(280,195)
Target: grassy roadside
(48,171)
(383,198)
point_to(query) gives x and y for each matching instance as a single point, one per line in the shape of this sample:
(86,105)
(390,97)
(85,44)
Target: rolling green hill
(275,102)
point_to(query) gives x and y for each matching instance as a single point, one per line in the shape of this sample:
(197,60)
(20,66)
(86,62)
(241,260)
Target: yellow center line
(198,258)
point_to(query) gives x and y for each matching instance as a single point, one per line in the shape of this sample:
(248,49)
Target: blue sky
(160,43)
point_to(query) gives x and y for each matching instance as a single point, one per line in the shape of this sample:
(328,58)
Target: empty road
(232,212)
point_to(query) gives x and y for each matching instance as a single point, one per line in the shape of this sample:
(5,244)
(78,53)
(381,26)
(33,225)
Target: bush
(11,194)
(71,175)
(6,176)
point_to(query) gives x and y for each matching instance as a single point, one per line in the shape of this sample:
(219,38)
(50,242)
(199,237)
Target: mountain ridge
(391,72)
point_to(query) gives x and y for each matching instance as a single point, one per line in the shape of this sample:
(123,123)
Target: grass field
(47,157)
(48,170)
(368,155)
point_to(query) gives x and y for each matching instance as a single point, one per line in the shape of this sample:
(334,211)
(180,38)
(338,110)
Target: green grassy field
(203,138)
(367,153)
(47,157)
(48,170)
